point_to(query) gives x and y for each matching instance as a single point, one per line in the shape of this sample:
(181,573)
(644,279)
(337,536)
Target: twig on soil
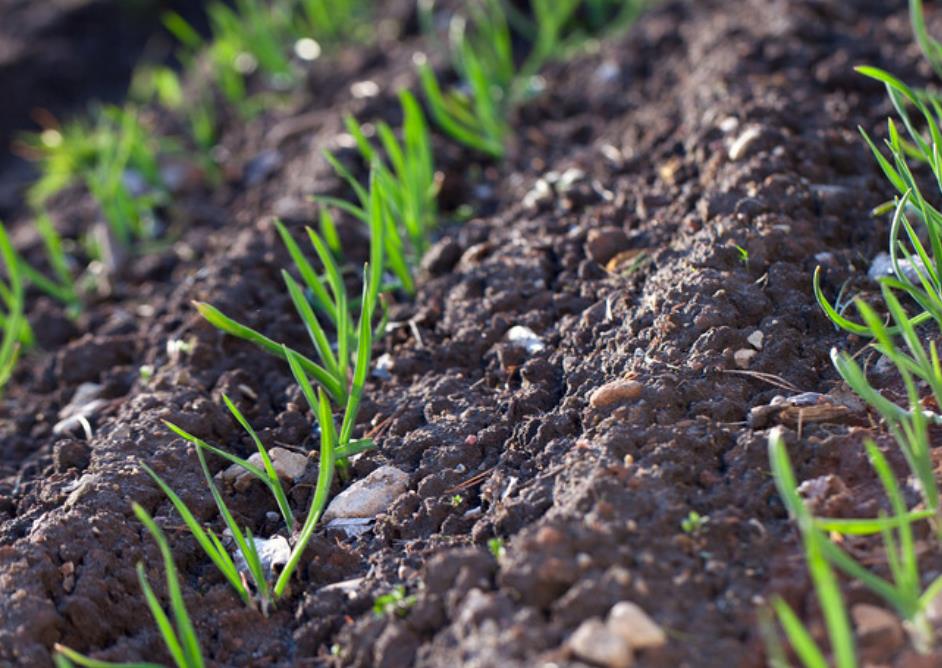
(472,481)
(769,378)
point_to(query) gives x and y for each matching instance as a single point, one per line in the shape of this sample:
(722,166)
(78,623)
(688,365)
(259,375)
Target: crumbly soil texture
(665,201)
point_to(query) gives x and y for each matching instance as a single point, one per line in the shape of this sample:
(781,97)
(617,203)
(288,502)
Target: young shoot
(114,156)
(328,297)
(266,474)
(395,603)
(822,575)
(408,180)
(176,629)
(903,591)
(15,328)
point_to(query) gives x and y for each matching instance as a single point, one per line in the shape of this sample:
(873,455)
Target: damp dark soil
(665,202)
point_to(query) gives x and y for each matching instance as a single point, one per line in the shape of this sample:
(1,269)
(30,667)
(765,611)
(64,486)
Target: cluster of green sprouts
(911,297)
(398,208)
(251,39)
(492,82)
(16,332)
(115,155)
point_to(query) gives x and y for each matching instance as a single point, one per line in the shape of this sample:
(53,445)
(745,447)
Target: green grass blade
(325,473)
(220,559)
(71,658)
(867,526)
(308,275)
(237,534)
(187,643)
(825,582)
(228,456)
(275,485)
(802,642)
(221,321)
(313,326)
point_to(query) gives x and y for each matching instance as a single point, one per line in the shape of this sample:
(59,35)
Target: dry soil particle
(711,125)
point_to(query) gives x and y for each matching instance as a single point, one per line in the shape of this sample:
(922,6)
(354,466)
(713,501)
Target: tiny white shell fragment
(526,338)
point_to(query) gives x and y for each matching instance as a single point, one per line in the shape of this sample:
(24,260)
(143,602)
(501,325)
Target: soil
(708,128)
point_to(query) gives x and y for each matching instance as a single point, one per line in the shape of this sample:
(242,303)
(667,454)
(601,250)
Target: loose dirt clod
(877,627)
(604,244)
(617,391)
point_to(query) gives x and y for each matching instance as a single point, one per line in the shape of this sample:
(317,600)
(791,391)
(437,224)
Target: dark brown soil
(588,500)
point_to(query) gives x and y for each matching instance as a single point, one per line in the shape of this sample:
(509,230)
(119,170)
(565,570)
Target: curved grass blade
(325,474)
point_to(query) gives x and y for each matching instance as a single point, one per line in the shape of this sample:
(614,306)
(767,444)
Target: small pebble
(743,357)
(756,339)
(525,338)
(745,141)
(633,625)
(272,552)
(287,464)
(370,496)
(882,266)
(594,642)
(615,392)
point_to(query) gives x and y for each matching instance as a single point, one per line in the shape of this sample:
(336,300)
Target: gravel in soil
(638,392)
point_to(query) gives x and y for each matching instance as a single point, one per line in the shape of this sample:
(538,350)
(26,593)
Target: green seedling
(114,156)
(246,36)
(334,445)
(903,591)
(492,84)
(329,296)
(162,85)
(473,117)
(62,286)
(409,181)
(558,29)
(916,260)
(406,188)
(550,18)
(375,208)
(179,635)
(475,113)
(395,603)
(496,547)
(15,328)
(213,546)
(332,22)
(908,426)
(822,575)
(266,474)
(743,255)
(694,523)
